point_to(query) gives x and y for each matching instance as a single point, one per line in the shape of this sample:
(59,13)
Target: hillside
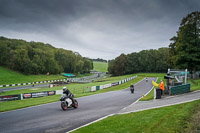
(40,58)
(8,76)
(100,66)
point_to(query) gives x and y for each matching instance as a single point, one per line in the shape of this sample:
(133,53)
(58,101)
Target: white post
(21,96)
(185,76)
(168,70)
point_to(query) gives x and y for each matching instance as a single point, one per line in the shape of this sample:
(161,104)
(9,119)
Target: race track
(51,118)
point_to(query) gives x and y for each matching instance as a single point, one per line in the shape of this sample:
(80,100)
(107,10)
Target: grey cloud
(95,28)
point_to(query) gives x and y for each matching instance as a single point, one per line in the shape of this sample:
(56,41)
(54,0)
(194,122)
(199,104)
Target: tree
(132,63)
(88,65)
(120,64)
(172,52)
(186,47)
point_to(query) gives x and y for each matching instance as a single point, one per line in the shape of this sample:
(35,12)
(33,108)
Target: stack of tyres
(158,93)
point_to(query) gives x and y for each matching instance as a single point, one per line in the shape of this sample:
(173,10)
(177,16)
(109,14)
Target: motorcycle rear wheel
(75,103)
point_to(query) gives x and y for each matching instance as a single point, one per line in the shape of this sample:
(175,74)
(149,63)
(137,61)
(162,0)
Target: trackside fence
(96,88)
(38,82)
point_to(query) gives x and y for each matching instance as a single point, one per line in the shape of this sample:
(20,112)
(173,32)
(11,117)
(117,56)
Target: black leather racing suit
(69,94)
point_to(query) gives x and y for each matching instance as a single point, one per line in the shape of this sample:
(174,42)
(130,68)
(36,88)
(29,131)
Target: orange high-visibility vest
(162,85)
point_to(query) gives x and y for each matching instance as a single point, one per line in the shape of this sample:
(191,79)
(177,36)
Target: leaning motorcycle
(66,102)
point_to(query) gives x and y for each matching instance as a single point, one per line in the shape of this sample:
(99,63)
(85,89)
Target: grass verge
(150,95)
(176,118)
(195,84)
(8,76)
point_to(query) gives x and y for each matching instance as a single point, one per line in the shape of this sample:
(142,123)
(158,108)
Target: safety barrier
(28,95)
(96,88)
(38,82)
(179,89)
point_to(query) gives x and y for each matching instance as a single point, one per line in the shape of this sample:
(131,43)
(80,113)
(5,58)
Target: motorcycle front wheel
(64,106)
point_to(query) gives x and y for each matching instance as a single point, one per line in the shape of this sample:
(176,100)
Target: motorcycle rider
(132,88)
(68,93)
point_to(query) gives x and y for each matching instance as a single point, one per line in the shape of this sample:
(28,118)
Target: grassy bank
(8,76)
(100,66)
(176,118)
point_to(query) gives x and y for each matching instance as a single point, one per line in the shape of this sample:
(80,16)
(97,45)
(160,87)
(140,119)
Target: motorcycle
(66,102)
(132,89)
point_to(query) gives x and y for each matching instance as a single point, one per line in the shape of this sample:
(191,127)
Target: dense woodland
(183,52)
(143,61)
(40,58)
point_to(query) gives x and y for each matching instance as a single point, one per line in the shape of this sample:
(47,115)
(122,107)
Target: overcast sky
(95,28)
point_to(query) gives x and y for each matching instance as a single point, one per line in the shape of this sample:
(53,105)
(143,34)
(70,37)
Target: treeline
(183,52)
(143,61)
(99,59)
(40,58)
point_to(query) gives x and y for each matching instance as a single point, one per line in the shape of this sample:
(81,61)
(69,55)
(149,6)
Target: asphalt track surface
(23,87)
(51,118)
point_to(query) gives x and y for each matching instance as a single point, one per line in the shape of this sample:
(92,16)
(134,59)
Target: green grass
(149,96)
(195,84)
(11,105)
(8,76)
(100,66)
(176,118)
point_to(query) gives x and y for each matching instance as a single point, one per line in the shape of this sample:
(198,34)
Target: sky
(95,28)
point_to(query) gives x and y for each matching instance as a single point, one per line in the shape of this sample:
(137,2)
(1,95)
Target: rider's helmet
(64,89)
